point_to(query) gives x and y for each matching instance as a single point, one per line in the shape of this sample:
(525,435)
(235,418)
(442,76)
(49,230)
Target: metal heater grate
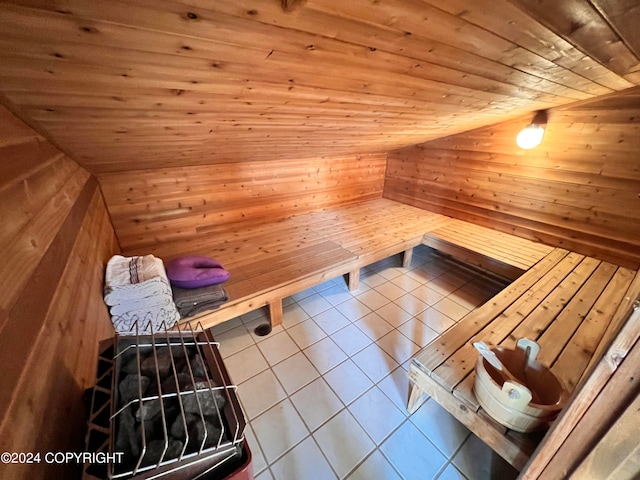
(165,404)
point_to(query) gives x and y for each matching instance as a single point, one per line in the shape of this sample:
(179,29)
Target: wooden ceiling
(126,85)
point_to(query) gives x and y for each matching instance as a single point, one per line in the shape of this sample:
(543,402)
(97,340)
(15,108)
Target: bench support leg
(354,279)
(416,398)
(406,258)
(275,312)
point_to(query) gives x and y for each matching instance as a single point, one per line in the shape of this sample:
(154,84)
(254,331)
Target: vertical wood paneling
(56,238)
(153,206)
(580,189)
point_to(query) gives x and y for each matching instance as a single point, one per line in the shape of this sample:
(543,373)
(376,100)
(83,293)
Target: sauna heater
(163,407)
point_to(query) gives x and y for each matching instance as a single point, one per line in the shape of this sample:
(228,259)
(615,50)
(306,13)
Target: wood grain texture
(123,85)
(270,261)
(566,443)
(156,206)
(578,190)
(616,454)
(566,302)
(56,238)
(506,255)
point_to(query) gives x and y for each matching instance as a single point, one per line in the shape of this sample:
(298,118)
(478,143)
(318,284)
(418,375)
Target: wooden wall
(152,206)
(579,189)
(55,239)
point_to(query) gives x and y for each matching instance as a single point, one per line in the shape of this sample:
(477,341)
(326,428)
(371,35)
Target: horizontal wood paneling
(124,85)
(55,241)
(580,189)
(155,206)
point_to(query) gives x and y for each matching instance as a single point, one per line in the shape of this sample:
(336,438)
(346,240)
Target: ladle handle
(489,355)
(530,347)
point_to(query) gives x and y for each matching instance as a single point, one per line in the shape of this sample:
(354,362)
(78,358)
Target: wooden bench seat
(570,304)
(271,261)
(500,253)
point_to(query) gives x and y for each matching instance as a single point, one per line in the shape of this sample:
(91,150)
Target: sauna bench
(570,304)
(273,260)
(501,253)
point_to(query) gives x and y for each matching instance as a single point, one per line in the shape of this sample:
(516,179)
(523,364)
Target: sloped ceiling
(126,85)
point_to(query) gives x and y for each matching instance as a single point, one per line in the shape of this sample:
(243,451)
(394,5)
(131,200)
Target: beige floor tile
(343,453)
(451,309)
(442,286)
(258,462)
(427,295)
(390,290)
(351,339)
(372,279)
(396,387)
(245,364)
(226,326)
(373,326)
(375,467)
(251,326)
(348,381)
(398,346)
(234,340)
(418,332)
(392,272)
(436,320)
(325,355)
(376,414)
(375,362)
(304,461)
(316,403)
(478,462)
(409,451)
(353,309)
(393,314)
(439,426)
(260,393)
(314,304)
(278,430)
(411,304)
(306,333)
(264,475)
(278,347)
(295,372)
(466,297)
(292,315)
(373,299)
(331,321)
(406,283)
(336,294)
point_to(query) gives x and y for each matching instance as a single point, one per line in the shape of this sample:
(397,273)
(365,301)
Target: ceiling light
(532,134)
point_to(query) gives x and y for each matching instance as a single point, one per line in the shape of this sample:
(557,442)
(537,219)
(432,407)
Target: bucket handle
(530,348)
(516,395)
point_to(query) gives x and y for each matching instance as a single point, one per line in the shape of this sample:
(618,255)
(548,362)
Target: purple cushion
(196,272)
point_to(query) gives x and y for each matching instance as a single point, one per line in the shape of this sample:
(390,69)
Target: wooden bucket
(525,398)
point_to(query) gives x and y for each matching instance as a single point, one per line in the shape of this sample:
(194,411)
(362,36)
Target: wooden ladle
(490,356)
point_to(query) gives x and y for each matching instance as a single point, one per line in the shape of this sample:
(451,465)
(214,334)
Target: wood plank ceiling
(134,84)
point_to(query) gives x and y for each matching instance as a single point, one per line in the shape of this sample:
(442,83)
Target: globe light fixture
(531,135)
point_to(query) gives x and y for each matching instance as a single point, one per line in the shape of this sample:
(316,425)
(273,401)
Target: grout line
(321,376)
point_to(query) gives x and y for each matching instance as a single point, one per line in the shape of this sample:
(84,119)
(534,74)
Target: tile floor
(325,393)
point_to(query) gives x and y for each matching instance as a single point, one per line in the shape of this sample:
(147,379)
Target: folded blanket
(122,271)
(197,300)
(114,295)
(148,321)
(187,312)
(160,299)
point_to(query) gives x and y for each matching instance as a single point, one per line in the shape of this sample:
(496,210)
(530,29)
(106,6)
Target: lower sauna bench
(572,305)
